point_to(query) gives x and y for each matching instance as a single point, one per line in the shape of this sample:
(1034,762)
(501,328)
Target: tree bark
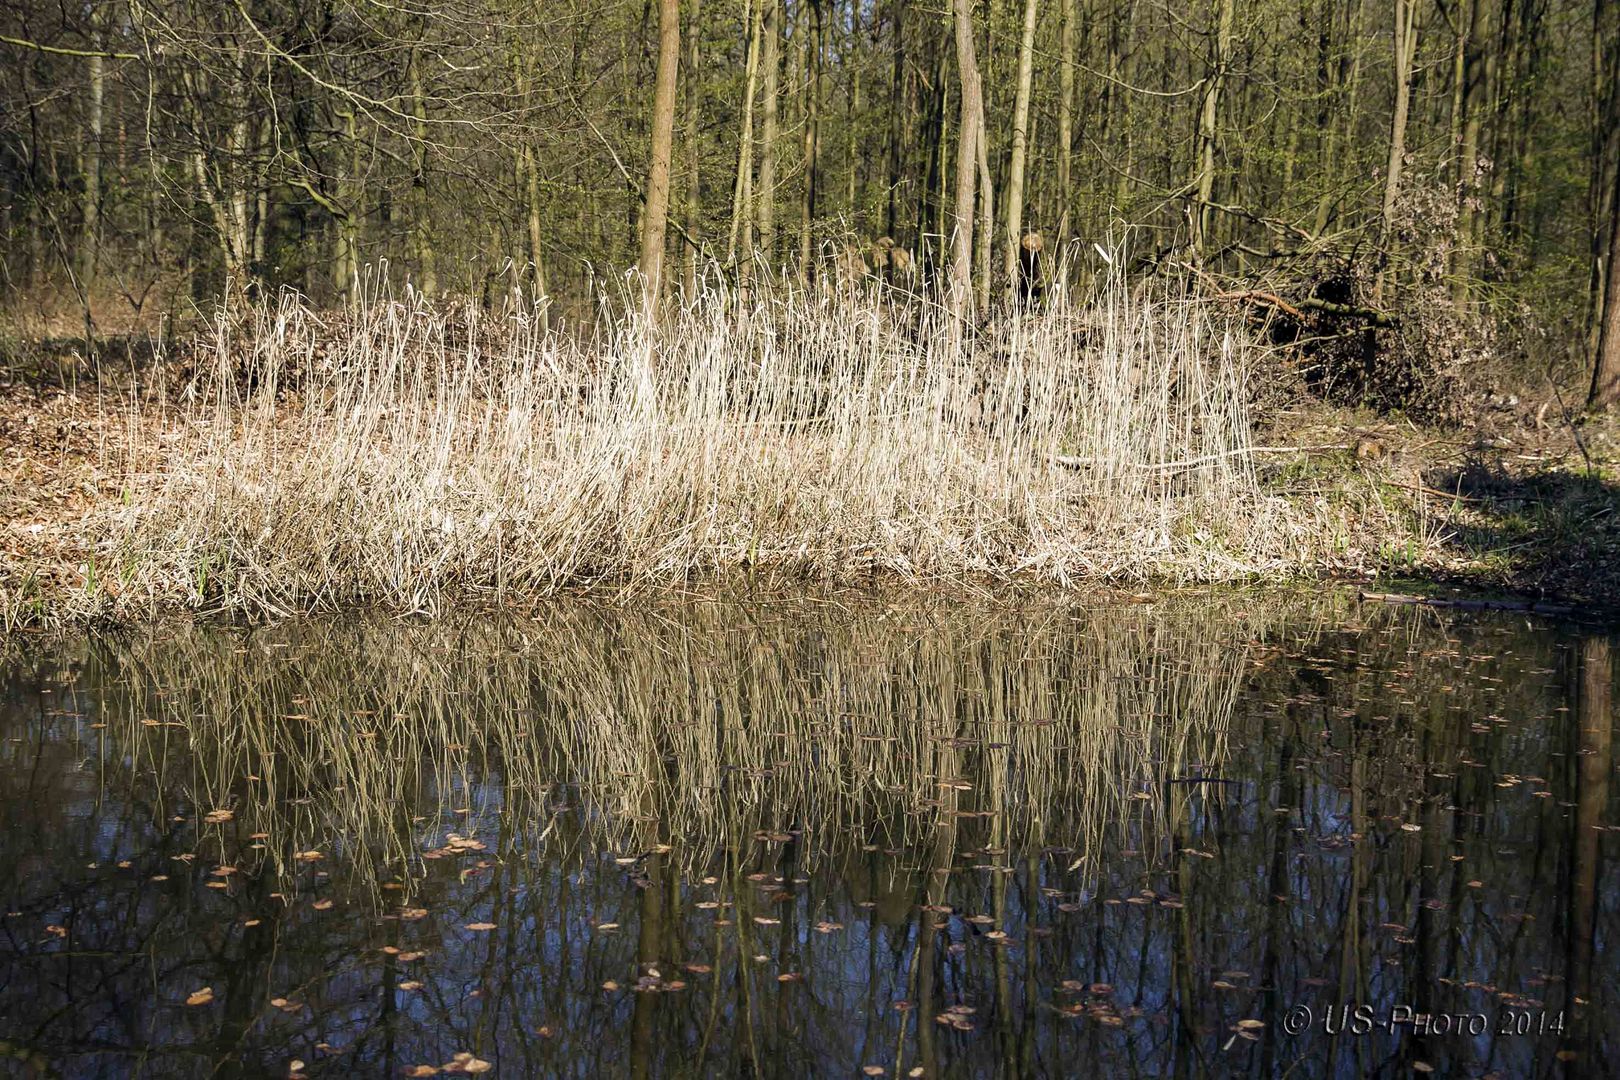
(852,133)
(537,265)
(970,123)
(1020,151)
(987,217)
(1208,127)
(693,194)
(1606,368)
(421,235)
(1472,108)
(655,211)
(891,218)
(771,59)
(812,141)
(742,192)
(1605,151)
(90,216)
(1065,177)
(1405,46)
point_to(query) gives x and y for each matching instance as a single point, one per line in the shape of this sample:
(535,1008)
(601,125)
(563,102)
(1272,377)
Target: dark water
(816,838)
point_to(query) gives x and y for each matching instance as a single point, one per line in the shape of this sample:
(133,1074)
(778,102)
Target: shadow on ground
(1552,534)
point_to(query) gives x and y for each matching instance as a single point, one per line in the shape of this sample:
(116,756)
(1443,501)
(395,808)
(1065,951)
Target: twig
(1085,463)
(57,50)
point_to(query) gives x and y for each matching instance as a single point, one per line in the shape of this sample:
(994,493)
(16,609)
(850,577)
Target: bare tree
(1020,149)
(1405,46)
(970,133)
(1606,368)
(655,211)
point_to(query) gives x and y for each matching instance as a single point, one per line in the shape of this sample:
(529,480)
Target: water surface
(815,838)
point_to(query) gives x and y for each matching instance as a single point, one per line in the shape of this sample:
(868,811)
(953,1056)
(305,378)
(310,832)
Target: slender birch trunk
(655,211)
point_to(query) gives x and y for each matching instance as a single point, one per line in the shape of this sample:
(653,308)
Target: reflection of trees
(1594,766)
(998,756)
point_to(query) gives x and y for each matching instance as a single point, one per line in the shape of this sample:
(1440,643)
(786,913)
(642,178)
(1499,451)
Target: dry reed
(401,453)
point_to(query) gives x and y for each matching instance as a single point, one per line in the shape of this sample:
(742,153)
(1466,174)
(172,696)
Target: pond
(1205,835)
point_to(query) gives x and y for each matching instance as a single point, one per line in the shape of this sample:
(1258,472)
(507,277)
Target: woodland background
(1462,154)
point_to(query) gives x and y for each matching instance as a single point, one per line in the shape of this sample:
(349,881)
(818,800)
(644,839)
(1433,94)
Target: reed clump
(403,453)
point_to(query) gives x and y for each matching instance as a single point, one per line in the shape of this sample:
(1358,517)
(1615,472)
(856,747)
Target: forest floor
(1522,500)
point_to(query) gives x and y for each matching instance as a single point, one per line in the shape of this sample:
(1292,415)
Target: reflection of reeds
(405,452)
(692,726)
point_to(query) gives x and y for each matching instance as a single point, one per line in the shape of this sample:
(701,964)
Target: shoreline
(100,469)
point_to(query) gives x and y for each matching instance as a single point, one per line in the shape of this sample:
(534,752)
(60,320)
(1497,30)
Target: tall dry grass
(403,452)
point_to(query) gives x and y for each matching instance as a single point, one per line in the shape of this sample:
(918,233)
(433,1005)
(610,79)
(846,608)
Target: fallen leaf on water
(422,1070)
(480,926)
(410,984)
(466,1063)
(321,905)
(201,997)
(218,817)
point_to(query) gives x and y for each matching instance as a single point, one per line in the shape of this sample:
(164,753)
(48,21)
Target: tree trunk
(1606,369)
(771,59)
(1468,174)
(346,256)
(420,234)
(987,217)
(537,265)
(1208,120)
(1065,177)
(1605,153)
(742,192)
(655,210)
(891,220)
(853,162)
(693,194)
(1405,45)
(1020,150)
(970,123)
(90,217)
(812,141)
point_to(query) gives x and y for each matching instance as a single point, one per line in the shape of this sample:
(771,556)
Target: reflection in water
(812,838)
